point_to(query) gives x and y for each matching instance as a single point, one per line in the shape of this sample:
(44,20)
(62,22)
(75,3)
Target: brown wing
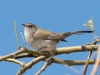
(44,34)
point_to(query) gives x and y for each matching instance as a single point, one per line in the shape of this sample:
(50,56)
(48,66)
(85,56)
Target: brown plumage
(46,40)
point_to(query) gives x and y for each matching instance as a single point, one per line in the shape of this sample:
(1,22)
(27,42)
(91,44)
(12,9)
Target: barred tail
(67,34)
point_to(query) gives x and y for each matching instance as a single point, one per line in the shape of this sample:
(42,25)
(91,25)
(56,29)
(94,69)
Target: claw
(41,52)
(55,52)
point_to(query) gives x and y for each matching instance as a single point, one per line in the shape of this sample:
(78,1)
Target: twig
(61,61)
(82,69)
(25,55)
(15,61)
(47,63)
(72,62)
(30,64)
(12,55)
(23,38)
(15,29)
(73,69)
(89,56)
(96,65)
(96,40)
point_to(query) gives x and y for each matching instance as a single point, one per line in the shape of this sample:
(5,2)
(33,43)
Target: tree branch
(73,49)
(30,64)
(96,65)
(15,61)
(12,55)
(33,53)
(87,62)
(72,62)
(47,63)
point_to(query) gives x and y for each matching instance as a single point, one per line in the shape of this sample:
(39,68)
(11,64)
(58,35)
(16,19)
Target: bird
(45,40)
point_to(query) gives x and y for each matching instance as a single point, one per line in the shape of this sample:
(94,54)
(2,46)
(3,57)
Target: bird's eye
(31,25)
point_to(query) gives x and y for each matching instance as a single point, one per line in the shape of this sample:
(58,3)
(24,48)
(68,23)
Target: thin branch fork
(30,64)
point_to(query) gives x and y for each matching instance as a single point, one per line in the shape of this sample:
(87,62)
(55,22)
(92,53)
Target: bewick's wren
(45,40)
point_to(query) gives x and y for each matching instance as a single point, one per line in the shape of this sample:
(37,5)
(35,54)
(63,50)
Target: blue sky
(54,15)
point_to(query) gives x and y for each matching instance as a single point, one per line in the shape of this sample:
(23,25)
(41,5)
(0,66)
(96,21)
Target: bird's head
(30,26)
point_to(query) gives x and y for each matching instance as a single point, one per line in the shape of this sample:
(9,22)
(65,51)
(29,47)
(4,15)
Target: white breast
(26,35)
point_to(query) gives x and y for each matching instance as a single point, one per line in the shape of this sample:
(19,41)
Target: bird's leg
(49,50)
(40,50)
(55,51)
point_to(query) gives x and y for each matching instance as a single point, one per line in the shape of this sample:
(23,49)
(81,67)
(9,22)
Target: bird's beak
(24,24)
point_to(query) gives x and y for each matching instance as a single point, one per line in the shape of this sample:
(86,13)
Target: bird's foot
(42,52)
(55,52)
